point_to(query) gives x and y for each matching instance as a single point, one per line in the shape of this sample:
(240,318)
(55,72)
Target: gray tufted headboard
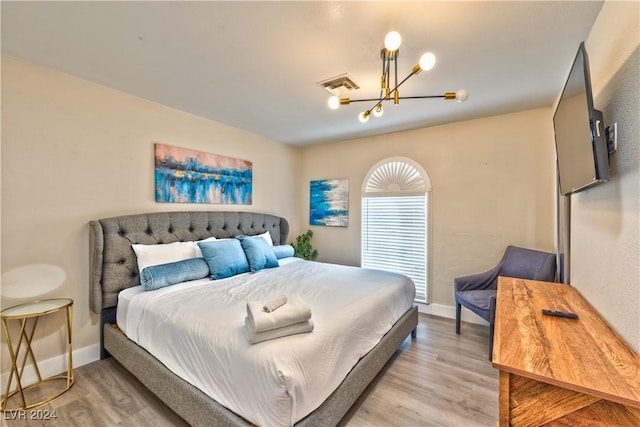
(113,264)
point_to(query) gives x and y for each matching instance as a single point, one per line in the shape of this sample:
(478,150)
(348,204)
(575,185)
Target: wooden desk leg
(504,411)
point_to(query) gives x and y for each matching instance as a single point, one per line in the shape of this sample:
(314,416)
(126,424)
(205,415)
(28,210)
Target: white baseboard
(53,366)
(450,313)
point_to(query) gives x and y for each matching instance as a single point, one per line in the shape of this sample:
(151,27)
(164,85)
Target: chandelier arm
(395,89)
(375,105)
(379,101)
(395,73)
(383,82)
(422,97)
(365,100)
(402,97)
(383,78)
(387,74)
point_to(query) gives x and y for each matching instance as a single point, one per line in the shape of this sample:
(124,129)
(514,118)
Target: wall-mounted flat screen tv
(581,146)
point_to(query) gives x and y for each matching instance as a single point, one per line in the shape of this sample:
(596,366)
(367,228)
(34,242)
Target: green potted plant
(302,248)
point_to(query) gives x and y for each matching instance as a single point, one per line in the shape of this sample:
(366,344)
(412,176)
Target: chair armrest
(492,309)
(480,281)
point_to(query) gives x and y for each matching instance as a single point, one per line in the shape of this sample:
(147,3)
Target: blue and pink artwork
(189,176)
(329,202)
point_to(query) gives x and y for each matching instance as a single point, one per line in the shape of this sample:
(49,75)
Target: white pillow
(267,236)
(149,255)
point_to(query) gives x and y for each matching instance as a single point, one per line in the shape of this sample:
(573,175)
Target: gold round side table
(28,315)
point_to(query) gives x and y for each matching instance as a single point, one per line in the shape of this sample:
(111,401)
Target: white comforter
(196,330)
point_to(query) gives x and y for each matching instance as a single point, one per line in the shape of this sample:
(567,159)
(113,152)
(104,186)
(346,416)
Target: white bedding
(196,330)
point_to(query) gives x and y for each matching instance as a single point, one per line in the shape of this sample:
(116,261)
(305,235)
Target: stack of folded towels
(279,317)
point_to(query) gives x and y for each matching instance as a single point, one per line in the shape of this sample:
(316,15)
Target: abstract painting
(189,176)
(329,202)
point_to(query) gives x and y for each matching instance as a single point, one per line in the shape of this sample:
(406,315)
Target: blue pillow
(161,275)
(258,252)
(225,258)
(283,251)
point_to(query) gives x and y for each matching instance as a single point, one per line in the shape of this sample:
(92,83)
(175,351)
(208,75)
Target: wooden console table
(560,371)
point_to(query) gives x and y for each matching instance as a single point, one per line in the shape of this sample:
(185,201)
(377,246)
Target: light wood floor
(439,379)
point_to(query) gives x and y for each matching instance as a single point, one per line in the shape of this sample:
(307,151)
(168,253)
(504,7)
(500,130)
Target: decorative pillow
(267,236)
(208,239)
(283,251)
(149,255)
(258,252)
(225,258)
(159,276)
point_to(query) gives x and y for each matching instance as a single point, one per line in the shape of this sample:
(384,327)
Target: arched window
(395,220)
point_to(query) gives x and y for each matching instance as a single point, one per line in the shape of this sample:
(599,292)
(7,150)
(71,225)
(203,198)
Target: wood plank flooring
(439,379)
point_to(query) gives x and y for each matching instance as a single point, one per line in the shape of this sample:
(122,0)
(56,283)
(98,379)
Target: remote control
(555,313)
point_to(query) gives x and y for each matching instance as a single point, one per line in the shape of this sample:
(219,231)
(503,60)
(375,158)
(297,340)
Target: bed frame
(113,267)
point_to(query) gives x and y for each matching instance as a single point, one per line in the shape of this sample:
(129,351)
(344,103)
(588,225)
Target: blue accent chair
(477,292)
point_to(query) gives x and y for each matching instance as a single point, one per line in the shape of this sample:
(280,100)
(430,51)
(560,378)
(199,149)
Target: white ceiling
(255,65)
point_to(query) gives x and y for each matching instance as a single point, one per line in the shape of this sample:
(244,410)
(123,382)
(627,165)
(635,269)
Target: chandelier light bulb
(378,111)
(392,41)
(427,61)
(364,117)
(462,95)
(334,102)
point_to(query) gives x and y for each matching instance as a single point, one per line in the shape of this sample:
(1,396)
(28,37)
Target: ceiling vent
(338,83)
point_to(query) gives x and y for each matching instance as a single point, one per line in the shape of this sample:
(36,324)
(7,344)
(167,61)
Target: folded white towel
(256,337)
(274,304)
(294,311)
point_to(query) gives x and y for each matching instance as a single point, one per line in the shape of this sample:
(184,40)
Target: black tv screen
(581,146)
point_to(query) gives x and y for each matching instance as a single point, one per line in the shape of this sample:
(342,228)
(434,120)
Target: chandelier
(389,55)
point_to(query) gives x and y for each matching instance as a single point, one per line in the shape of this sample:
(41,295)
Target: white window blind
(394,237)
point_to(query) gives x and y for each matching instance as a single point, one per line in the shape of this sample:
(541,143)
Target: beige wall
(73,151)
(492,185)
(605,240)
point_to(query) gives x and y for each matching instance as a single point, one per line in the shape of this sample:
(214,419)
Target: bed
(195,395)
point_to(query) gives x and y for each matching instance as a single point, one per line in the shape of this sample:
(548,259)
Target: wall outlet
(611,133)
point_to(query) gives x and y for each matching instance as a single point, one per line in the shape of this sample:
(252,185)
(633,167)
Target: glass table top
(36,308)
